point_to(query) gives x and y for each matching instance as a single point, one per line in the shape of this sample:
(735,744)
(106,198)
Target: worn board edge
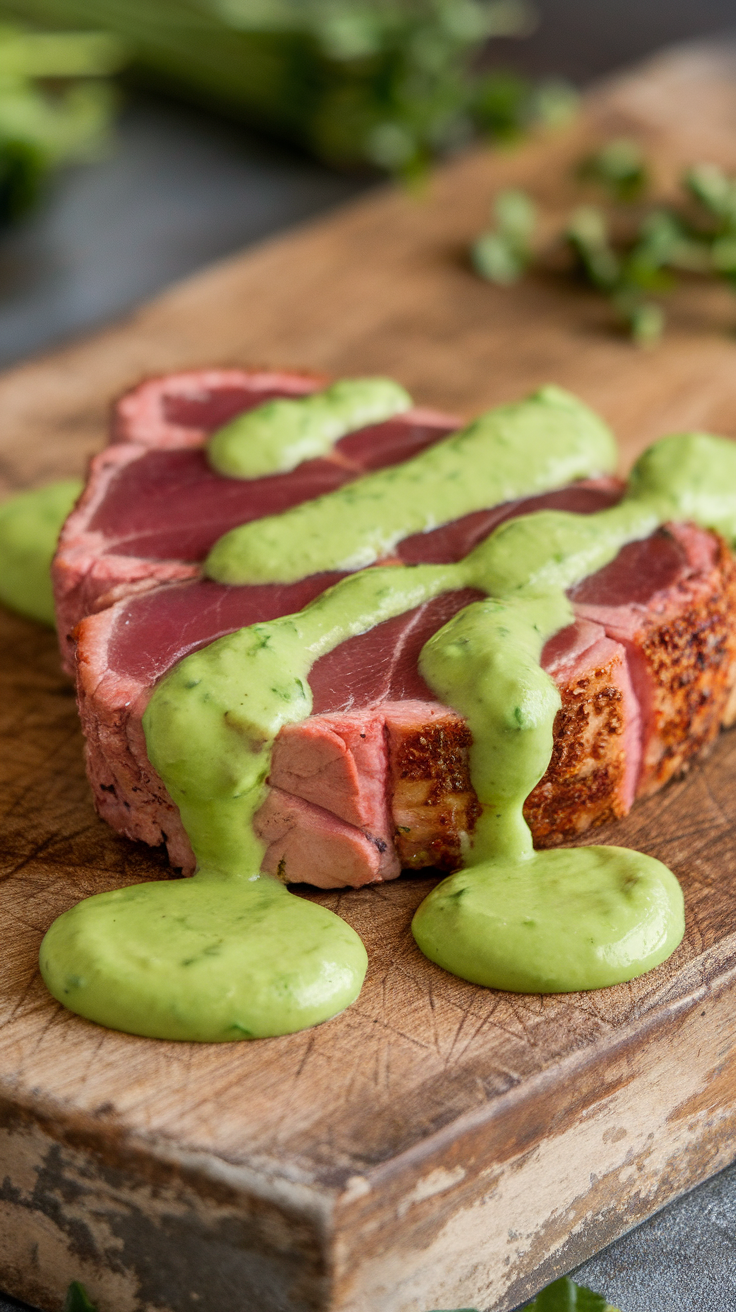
(481,1214)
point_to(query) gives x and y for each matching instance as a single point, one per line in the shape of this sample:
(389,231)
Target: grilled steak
(377,779)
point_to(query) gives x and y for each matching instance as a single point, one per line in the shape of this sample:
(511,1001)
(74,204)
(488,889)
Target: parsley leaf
(77,1299)
(563,1296)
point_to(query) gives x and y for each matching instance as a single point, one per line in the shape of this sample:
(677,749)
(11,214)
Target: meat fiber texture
(377,779)
(152,507)
(125,533)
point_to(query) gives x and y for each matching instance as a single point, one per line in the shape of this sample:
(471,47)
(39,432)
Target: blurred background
(141,139)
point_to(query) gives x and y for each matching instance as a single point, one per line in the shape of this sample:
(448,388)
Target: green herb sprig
(696,234)
(504,253)
(77,1299)
(561,1296)
(564,1296)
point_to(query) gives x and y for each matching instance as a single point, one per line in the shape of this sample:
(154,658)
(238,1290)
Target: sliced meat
(124,649)
(666,638)
(596,755)
(152,633)
(404,788)
(176,410)
(433,803)
(338,762)
(378,777)
(671,603)
(152,507)
(384,759)
(591,777)
(308,845)
(452,541)
(170,505)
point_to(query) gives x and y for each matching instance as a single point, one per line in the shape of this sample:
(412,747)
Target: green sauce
(562,921)
(540,922)
(30,523)
(279,435)
(513,918)
(130,959)
(203,958)
(544,442)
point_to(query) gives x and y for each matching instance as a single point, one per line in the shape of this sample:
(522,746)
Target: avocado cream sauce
(232,954)
(279,435)
(544,442)
(30,523)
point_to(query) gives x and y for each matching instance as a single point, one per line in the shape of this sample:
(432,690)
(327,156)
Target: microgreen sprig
(564,1296)
(694,235)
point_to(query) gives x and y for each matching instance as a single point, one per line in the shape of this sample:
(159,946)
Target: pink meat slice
(340,760)
(644,676)
(169,504)
(124,649)
(318,848)
(371,686)
(175,410)
(453,541)
(152,632)
(670,601)
(152,507)
(106,552)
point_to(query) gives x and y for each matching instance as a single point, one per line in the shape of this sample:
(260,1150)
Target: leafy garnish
(77,1299)
(630,257)
(619,167)
(563,1296)
(503,254)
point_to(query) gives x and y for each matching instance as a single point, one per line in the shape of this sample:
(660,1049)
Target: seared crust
(433,801)
(435,808)
(690,653)
(581,788)
(683,660)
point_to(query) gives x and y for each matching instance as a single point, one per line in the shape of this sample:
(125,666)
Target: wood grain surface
(438,1145)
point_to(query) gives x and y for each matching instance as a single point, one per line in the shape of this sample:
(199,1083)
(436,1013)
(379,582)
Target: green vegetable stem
(55,107)
(386,83)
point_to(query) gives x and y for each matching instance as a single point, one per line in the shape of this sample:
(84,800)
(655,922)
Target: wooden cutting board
(438,1145)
